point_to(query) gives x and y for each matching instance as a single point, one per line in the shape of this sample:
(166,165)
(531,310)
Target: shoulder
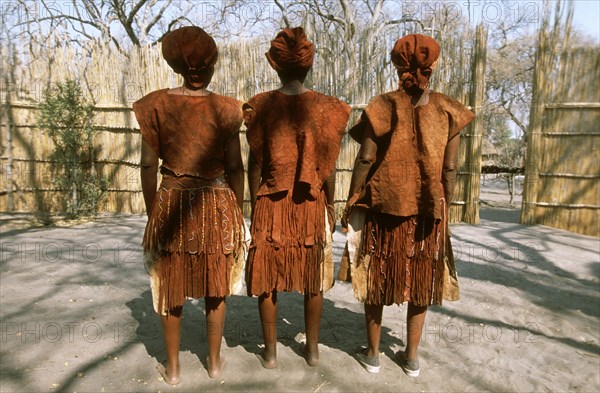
(446,101)
(259,106)
(330,113)
(384,103)
(266,95)
(250,107)
(380,113)
(260,99)
(392,98)
(226,105)
(440,97)
(253,108)
(452,106)
(150,100)
(225,100)
(228,112)
(315,96)
(330,103)
(458,114)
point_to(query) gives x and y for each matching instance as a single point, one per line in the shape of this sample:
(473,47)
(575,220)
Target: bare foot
(167,377)
(215,368)
(312,358)
(267,361)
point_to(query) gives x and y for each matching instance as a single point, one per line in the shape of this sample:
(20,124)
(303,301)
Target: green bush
(68,119)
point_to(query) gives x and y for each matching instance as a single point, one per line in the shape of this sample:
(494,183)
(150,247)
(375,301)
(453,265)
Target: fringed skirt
(397,259)
(291,248)
(194,242)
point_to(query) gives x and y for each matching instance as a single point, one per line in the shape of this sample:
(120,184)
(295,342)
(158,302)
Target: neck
(190,91)
(184,91)
(293,87)
(421,99)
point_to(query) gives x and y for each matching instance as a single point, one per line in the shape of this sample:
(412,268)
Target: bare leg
(267,308)
(171,333)
(313,308)
(373,313)
(215,322)
(415,319)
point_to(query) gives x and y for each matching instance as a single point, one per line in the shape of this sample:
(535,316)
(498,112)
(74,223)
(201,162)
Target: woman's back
(295,138)
(407,175)
(194,239)
(189,133)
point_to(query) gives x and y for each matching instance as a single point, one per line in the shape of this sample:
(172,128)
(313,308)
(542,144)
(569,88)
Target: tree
(360,30)
(68,120)
(509,78)
(127,22)
(121,22)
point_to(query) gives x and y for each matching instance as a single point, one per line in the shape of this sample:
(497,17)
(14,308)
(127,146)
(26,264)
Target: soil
(76,316)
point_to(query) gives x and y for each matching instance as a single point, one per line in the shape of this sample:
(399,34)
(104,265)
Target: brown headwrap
(191,52)
(291,52)
(414,55)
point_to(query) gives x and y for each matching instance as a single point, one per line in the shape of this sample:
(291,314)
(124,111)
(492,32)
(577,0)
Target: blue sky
(587,17)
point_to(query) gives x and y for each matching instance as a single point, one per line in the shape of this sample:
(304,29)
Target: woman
(397,211)
(194,239)
(294,136)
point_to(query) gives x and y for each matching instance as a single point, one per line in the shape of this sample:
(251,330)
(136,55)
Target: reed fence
(113,82)
(562,169)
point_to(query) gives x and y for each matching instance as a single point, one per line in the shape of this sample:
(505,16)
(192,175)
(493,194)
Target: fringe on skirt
(194,242)
(397,259)
(291,248)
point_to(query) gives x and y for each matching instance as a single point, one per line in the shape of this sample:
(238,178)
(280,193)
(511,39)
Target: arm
(329,188)
(253,178)
(234,168)
(148,171)
(450,167)
(364,160)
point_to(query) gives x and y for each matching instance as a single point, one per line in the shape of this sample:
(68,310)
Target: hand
(345,218)
(331,217)
(348,210)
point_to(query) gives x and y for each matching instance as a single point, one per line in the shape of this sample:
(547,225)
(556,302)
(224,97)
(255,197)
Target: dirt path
(76,316)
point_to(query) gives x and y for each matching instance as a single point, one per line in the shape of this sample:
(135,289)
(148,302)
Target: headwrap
(414,55)
(291,52)
(191,52)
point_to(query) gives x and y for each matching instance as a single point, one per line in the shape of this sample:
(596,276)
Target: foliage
(510,76)
(67,118)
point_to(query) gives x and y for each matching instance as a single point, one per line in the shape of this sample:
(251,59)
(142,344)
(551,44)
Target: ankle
(311,357)
(312,346)
(270,351)
(173,365)
(410,355)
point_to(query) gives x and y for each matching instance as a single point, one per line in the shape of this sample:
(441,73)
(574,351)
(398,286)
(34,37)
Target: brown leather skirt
(397,259)
(291,248)
(194,241)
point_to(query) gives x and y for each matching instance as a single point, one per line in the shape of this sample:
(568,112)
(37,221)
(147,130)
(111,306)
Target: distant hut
(489,153)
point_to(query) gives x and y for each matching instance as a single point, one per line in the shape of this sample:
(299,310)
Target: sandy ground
(76,316)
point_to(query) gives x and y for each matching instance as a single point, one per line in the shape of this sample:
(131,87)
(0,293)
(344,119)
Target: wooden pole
(8,120)
(476,97)
(534,133)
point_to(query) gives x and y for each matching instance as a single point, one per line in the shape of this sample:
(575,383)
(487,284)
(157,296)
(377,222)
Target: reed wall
(113,81)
